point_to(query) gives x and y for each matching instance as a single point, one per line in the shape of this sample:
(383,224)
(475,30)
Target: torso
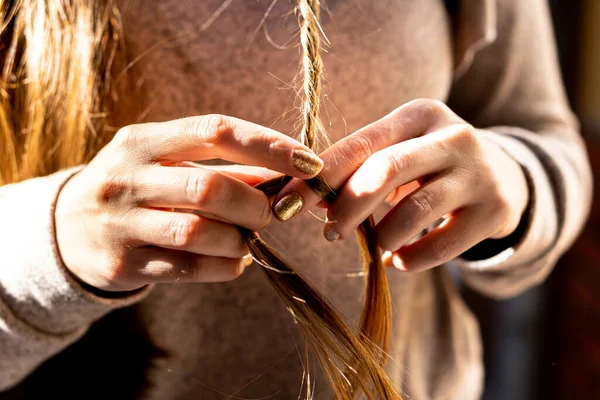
(383,53)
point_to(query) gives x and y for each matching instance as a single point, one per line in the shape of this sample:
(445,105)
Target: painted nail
(307,162)
(330,233)
(248,260)
(288,206)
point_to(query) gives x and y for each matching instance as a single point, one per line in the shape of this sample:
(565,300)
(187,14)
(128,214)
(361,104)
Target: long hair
(352,361)
(56,87)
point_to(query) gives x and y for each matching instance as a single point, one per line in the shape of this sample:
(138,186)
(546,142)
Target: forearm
(513,89)
(42,308)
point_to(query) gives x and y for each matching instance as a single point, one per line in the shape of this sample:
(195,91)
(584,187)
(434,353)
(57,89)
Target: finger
(250,175)
(401,192)
(453,237)
(346,156)
(186,232)
(381,174)
(205,190)
(156,265)
(416,212)
(217,136)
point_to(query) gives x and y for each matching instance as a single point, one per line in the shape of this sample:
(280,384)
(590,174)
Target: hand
(116,228)
(459,175)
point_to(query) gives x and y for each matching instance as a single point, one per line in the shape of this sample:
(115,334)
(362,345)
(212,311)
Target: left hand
(463,177)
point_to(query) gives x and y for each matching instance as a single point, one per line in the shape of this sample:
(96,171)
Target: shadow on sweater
(115,370)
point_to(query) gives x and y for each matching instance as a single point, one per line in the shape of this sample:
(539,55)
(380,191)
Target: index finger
(344,158)
(217,136)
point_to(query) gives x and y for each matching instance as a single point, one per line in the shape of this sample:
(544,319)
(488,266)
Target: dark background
(545,344)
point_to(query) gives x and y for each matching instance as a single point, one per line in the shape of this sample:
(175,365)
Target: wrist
(65,230)
(513,188)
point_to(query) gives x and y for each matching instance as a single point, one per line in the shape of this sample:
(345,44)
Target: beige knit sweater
(494,62)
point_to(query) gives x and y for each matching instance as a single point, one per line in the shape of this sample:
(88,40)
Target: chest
(244,61)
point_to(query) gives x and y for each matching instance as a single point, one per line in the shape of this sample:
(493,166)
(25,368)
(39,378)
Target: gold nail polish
(307,162)
(248,260)
(330,233)
(288,206)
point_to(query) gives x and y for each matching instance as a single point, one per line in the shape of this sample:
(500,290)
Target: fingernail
(386,257)
(330,233)
(398,263)
(248,260)
(307,162)
(288,206)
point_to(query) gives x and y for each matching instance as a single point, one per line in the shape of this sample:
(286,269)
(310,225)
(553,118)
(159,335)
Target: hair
(351,361)
(55,89)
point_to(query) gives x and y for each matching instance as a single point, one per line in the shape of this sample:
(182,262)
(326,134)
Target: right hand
(115,227)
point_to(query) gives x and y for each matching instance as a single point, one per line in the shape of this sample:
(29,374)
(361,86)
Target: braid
(312,68)
(376,316)
(351,361)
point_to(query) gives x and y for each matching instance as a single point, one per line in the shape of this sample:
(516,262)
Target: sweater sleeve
(512,91)
(42,308)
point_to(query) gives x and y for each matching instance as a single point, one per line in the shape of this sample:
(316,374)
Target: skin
(117,228)
(118,222)
(429,164)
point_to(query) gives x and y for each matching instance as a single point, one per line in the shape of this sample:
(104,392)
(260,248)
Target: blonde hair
(352,361)
(56,88)
(56,61)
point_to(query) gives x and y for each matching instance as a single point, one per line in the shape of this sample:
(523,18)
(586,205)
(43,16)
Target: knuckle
(437,106)
(273,148)
(183,231)
(114,188)
(428,109)
(204,190)
(465,139)
(421,205)
(382,168)
(395,164)
(270,149)
(264,213)
(358,148)
(128,137)
(212,129)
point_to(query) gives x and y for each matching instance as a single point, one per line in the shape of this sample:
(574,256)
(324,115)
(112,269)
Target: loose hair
(55,87)
(351,361)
